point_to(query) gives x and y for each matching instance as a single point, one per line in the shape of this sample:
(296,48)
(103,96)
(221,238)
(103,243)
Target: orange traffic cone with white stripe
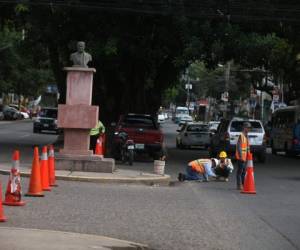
(249,184)
(45,170)
(51,165)
(99,148)
(13,191)
(2,216)
(35,184)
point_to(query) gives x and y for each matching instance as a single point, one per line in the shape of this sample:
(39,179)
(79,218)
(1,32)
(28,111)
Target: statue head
(80,58)
(80,46)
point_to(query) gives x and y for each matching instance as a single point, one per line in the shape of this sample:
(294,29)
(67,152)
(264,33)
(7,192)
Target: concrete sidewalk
(120,176)
(34,239)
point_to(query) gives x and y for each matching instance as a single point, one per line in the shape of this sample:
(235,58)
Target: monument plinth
(77,117)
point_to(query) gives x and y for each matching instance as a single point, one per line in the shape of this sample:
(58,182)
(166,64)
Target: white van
(179,112)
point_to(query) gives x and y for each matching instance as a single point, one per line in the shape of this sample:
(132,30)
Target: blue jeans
(241,172)
(192,175)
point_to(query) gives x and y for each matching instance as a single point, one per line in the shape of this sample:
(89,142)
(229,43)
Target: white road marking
(23,136)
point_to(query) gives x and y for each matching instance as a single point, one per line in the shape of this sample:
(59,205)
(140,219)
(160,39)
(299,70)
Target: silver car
(193,134)
(185,119)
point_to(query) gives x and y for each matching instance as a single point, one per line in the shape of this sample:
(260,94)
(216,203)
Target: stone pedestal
(77,117)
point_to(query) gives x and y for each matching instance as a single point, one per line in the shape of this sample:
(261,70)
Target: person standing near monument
(95,133)
(80,58)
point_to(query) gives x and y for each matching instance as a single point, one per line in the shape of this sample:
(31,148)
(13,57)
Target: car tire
(130,157)
(35,130)
(274,151)
(288,153)
(262,157)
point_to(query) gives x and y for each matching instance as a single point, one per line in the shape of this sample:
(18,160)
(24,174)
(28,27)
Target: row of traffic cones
(42,178)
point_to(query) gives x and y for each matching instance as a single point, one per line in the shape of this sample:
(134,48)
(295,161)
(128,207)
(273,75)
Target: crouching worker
(224,166)
(200,169)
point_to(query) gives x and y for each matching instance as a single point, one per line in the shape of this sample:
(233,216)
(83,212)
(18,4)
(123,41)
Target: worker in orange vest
(242,149)
(199,169)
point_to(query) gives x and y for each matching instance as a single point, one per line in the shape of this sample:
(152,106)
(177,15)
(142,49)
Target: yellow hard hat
(222,154)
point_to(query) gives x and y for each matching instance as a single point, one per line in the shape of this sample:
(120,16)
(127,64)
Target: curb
(163,180)
(29,235)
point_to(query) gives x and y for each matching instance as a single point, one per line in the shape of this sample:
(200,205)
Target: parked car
(227,135)
(143,130)
(46,120)
(1,112)
(193,134)
(166,115)
(1,116)
(23,110)
(213,126)
(161,118)
(11,113)
(184,119)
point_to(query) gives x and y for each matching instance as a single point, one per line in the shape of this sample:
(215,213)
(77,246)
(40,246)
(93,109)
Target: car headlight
(116,133)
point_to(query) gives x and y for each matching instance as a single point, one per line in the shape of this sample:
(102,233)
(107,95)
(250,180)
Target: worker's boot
(181,177)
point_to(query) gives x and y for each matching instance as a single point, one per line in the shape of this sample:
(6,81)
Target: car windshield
(138,121)
(237,126)
(49,113)
(214,126)
(197,128)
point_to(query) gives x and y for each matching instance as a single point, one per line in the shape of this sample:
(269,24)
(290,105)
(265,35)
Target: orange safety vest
(197,165)
(242,148)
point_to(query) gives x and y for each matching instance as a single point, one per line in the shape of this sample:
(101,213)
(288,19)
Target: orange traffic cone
(99,148)
(249,184)
(13,191)
(35,184)
(51,165)
(2,217)
(45,170)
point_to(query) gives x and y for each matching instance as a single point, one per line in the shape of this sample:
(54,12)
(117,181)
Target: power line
(195,9)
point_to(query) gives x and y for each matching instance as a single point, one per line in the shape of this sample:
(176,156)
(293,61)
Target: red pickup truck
(143,130)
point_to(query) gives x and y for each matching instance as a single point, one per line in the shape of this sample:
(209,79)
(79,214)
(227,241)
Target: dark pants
(192,175)
(241,172)
(223,172)
(93,141)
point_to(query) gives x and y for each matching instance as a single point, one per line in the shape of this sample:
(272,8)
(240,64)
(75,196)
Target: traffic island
(119,176)
(93,163)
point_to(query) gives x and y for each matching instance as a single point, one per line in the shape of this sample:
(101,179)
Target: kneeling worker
(224,167)
(199,169)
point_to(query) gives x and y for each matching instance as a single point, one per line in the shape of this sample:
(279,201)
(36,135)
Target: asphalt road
(19,135)
(188,215)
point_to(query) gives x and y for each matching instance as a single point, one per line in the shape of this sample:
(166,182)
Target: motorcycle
(127,148)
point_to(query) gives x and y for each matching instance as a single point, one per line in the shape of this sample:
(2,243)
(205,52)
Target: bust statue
(80,58)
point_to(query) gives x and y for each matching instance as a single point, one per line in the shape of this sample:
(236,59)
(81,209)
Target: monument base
(84,163)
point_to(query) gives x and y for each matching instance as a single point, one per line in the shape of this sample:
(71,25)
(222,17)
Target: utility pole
(188,87)
(227,77)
